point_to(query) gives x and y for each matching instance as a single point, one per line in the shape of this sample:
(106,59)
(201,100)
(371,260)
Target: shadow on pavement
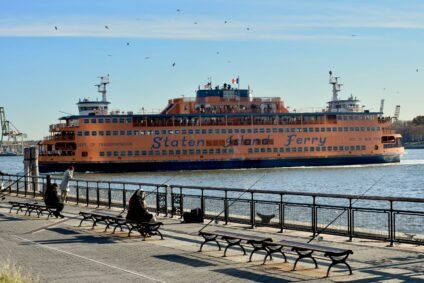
(185,260)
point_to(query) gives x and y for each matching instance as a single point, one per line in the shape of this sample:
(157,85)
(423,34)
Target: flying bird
(416,70)
(146,58)
(217,52)
(128,43)
(195,23)
(173,64)
(178,10)
(106,27)
(225,22)
(109,55)
(247,28)
(55,27)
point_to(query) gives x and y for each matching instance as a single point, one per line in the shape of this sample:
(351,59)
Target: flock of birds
(173,64)
(147,57)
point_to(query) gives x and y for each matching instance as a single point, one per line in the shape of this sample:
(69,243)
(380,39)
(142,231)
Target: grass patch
(11,273)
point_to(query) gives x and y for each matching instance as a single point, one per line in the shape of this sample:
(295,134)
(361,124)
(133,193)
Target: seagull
(416,70)
(173,64)
(109,55)
(146,58)
(128,43)
(247,28)
(225,22)
(55,27)
(217,52)
(106,27)
(178,10)
(195,23)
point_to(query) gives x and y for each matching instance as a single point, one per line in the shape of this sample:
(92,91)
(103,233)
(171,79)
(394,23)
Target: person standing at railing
(64,185)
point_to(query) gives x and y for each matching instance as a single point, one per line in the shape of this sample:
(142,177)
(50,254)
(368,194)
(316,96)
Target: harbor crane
(12,139)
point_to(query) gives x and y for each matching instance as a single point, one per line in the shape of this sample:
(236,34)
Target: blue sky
(278,48)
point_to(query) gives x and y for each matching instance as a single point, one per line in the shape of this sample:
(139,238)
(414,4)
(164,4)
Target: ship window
(170,132)
(136,133)
(130,153)
(305,130)
(322,129)
(293,130)
(129,120)
(311,130)
(256,150)
(346,148)
(346,129)
(178,152)
(230,131)
(351,129)
(191,151)
(249,131)
(86,121)
(190,132)
(357,129)
(268,130)
(299,149)
(377,128)
(93,121)
(115,153)
(340,129)
(157,132)
(93,133)
(143,152)
(243,131)
(236,131)
(288,149)
(86,133)
(317,148)
(358,147)
(355,117)
(323,148)
(184,152)
(163,132)
(211,151)
(275,149)
(363,147)
(216,131)
(123,153)
(171,152)
(109,153)
(100,120)
(210,131)
(163,152)
(330,148)
(107,120)
(107,133)
(122,133)
(261,130)
(281,149)
(249,150)
(316,129)
(306,148)
(79,133)
(363,129)
(177,132)
(114,120)
(183,132)
(350,118)
(344,117)
(372,129)
(101,133)
(231,150)
(267,149)
(150,152)
(217,151)
(136,152)
(129,133)
(157,152)
(334,129)
(102,153)
(274,130)
(197,151)
(312,148)
(336,148)
(203,131)
(352,147)
(121,120)
(328,129)
(223,131)
(368,129)
(204,151)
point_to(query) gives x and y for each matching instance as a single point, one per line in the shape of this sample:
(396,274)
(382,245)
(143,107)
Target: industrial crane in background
(12,140)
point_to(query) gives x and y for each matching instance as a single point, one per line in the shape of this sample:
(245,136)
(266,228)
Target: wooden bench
(31,207)
(146,229)
(235,239)
(306,250)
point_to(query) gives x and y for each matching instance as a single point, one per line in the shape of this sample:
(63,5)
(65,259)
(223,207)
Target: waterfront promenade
(57,250)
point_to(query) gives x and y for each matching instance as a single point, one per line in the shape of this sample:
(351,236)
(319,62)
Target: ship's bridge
(88,107)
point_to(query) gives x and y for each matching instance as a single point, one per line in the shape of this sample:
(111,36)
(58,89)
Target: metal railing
(392,219)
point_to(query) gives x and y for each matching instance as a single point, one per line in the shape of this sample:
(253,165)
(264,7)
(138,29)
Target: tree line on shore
(412,131)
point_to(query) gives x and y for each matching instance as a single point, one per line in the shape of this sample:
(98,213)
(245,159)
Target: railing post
(202,203)
(314,215)
(391,228)
(25,188)
(17,186)
(349,221)
(77,192)
(166,200)
(98,194)
(181,202)
(87,194)
(157,200)
(124,197)
(109,196)
(252,211)
(226,207)
(281,210)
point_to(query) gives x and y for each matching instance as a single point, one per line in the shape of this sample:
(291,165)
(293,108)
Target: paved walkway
(57,250)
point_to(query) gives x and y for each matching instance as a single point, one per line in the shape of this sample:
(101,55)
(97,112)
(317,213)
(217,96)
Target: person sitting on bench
(137,208)
(52,200)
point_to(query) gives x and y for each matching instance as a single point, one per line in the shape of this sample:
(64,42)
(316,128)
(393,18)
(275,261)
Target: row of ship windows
(130,120)
(230,150)
(226,131)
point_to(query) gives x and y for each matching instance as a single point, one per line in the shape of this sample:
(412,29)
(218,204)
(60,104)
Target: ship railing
(391,219)
(389,132)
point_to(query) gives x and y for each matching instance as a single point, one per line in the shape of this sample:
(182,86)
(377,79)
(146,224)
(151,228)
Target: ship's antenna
(382,105)
(338,216)
(236,199)
(397,112)
(336,85)
(104,80)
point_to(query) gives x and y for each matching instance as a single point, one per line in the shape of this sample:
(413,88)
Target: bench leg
(304,254)
(209,238)
(256,247)
(271,251)
(336,260)
(83,219)
(233,242)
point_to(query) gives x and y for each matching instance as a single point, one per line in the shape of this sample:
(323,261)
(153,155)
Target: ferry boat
(222,127)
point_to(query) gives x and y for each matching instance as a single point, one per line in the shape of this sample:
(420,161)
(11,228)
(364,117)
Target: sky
(52,53)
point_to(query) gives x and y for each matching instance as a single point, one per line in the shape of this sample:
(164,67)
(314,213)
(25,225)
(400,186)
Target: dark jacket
(137,210)
(50,196)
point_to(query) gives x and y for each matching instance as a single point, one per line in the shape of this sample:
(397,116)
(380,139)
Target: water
(404,179)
